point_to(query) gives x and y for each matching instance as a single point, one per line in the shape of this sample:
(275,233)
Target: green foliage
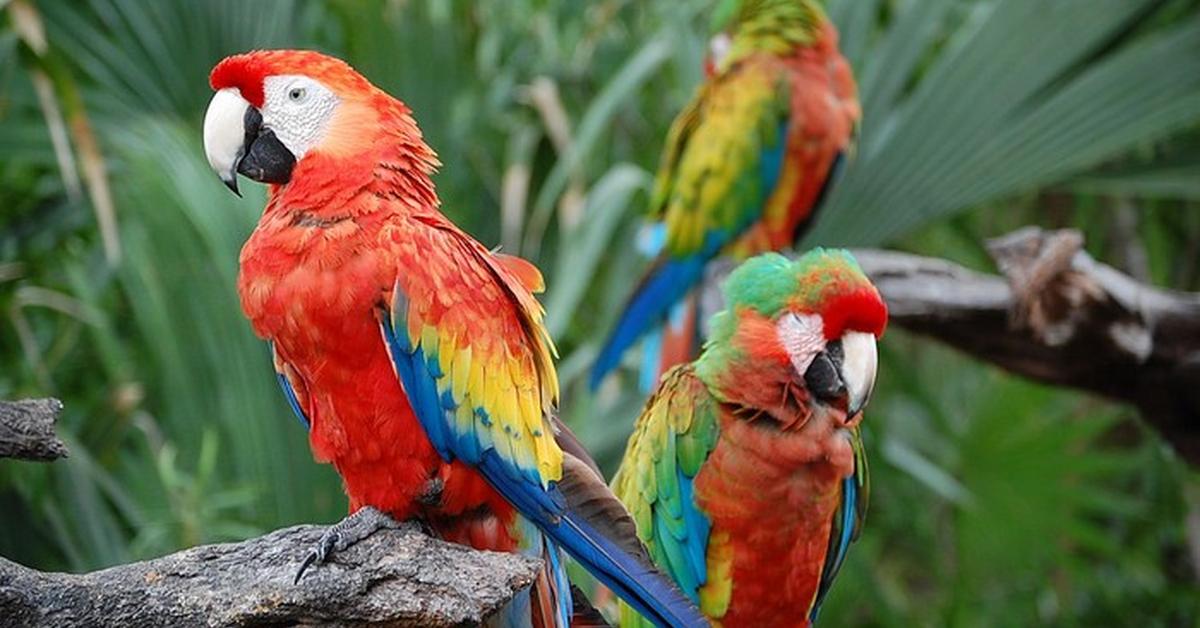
(995,501)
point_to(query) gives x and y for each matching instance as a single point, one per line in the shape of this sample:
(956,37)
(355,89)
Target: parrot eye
(297,94)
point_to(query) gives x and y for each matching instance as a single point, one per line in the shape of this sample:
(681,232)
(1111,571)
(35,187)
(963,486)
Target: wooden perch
(1057,316)
(393,578)
(27,430)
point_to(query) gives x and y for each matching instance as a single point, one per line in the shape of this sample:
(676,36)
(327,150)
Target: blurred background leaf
(996,501)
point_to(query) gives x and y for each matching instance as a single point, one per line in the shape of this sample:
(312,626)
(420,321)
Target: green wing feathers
(673,438)
(722,159)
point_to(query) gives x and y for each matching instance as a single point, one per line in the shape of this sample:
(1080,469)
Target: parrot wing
(847,521)
(466,337)
(293,387)
(723,159)
(673,438)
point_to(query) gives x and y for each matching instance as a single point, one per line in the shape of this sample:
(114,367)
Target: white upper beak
(225,135)
(859,364)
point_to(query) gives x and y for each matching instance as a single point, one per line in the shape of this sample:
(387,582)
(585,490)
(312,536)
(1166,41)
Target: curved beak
(859,363)
(237,142)
(845,370)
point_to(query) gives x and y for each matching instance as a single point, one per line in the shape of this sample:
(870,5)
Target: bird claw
(432,493)
(361,524)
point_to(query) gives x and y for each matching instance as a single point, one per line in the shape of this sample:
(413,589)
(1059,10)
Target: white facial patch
(803,335)
(718,47)
(298,110)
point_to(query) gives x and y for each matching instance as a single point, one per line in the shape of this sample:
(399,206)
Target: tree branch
(393,578)
(27,430)
(1057,316)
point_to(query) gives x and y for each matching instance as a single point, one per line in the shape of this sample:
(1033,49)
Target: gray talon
(362,523)
(432,493)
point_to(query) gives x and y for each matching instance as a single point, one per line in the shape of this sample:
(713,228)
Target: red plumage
(404,343)
(323,258)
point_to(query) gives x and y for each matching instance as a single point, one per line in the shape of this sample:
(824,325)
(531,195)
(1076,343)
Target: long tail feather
(665,284)
(597,531)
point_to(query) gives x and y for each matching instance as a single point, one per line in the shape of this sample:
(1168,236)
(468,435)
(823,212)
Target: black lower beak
(265,159)
(824,378)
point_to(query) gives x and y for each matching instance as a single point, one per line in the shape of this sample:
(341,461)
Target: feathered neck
(775,27)
(744,366)
(384,156)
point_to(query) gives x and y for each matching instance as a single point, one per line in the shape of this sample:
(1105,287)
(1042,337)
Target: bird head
(275,111)
(802,329)
(743,27)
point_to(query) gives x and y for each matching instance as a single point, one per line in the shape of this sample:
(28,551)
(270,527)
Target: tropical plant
(996,501)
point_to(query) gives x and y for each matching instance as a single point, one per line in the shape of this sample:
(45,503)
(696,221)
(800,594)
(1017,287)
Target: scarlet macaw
(416,356)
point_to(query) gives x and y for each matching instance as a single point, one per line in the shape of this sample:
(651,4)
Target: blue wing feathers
(545,506)
(770,165)
(600,556)
(850,487)
(292,401)
(419,386)
(698,527)
(562,584)
(839,546)
(678,563)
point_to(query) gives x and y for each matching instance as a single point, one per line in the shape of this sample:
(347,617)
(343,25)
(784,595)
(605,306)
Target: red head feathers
(247,72)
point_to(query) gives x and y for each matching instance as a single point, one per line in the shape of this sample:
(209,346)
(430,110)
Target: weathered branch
(1057,316)
(27,430)
(393,578)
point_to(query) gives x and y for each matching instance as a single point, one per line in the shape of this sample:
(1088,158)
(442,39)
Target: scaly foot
(354,528)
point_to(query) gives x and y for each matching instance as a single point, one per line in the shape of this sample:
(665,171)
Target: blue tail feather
(656,598)
(666,285)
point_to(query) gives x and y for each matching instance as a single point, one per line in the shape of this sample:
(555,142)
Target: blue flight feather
(290,394)
(834,564)
(657,599)
(668,284)
(292,401)
(419,387)
(698,527)
(562,583)
(677,562)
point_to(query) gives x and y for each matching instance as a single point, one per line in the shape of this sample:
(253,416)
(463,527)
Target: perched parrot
(745,166)
(416,357)
(745,473)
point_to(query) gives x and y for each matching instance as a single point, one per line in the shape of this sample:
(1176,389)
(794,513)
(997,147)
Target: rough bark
(393,578)
(1056,316)
(27,430)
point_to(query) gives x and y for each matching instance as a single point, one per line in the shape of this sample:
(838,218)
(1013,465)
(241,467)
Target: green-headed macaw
(745,473)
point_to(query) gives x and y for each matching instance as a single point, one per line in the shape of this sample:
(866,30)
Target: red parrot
(416,357)
(744,168)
